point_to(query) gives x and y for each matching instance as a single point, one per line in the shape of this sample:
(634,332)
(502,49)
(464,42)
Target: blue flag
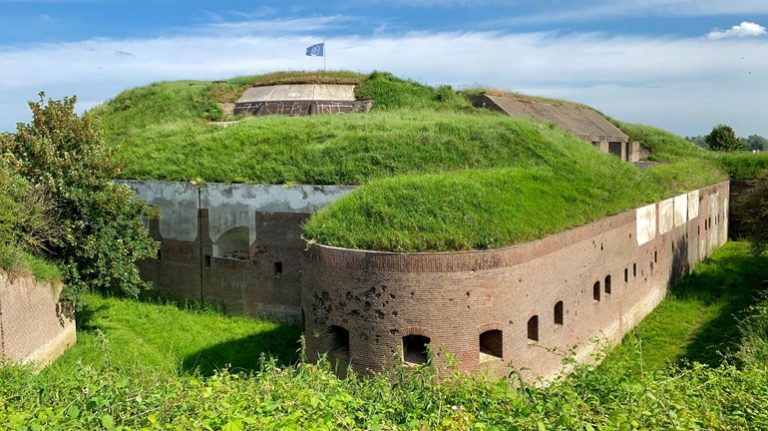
(316,50)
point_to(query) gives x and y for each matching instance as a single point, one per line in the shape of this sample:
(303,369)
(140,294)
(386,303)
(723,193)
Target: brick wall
(33,327)
(453,298)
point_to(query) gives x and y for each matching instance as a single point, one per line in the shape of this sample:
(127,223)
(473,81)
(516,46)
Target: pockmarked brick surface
(33,327)
(606,277)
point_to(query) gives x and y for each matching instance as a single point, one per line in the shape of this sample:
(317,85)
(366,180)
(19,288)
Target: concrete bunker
(301,100)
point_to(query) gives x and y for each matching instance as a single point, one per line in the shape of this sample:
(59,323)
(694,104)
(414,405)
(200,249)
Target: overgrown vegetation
(99,234)
(752,212)
(131,371)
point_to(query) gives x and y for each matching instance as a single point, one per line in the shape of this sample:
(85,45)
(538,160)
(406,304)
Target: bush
(752,210)
(723,138)
(102,235)
(26,220)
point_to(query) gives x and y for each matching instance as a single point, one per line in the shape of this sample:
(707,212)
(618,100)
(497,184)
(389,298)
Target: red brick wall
(454,297)
(32,323)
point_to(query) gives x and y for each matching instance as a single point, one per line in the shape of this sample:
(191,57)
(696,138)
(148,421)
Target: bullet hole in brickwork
(519,280)
(379,314)
(392,295)
(413,293)
(491,345)
(349,296)
(468,307)
(510,322)
(278,269)
(533,328)
(378,295)
(394,313)
(630,236)
(608,284)
(338,342)
(559,313)
(467,293)
(450,299)
(393,332)
(415,349)
(596,291)
(207,261)
(383,287)
(626,275)
(602,247)
(367,305)
(355,313)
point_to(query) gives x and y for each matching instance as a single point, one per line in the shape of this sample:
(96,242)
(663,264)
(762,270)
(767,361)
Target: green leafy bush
(723,138)
(101,233)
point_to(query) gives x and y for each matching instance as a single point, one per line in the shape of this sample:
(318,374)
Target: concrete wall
(33,327)
(237,246)
(607,275)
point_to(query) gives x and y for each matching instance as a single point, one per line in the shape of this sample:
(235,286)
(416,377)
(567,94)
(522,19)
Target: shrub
(723,138)
(26,219)
(752,210)
(102,235)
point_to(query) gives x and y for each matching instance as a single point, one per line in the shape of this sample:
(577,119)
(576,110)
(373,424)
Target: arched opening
(233,244)
(559,313)
(596,291)
(416,349)
(533,328)
(490,345)
(608,284)
(338,342)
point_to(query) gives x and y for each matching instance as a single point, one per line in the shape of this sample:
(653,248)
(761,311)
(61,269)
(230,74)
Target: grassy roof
(437,173)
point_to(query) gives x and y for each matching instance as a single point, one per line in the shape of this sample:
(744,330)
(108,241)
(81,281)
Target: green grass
(130,371)
(167,338)
(480,209)
(699,320)
(437,174)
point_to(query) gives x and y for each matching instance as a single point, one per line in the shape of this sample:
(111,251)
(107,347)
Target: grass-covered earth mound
(436,173)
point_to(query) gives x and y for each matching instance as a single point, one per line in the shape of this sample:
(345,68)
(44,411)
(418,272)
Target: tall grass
(128,372)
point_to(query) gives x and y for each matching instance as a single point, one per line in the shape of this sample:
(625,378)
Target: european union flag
(316,50)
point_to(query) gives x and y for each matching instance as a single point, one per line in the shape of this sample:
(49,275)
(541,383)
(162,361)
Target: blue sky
(684,65)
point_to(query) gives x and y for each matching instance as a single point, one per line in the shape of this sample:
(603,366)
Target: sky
(682,65)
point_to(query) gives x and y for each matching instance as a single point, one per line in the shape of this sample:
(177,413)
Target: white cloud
(745,29)
(686,85)
(596,9)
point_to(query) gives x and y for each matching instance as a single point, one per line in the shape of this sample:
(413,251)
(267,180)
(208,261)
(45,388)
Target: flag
(316,50)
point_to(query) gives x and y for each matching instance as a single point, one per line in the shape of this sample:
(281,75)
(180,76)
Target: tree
(102,235)
(723,138)
(757,142)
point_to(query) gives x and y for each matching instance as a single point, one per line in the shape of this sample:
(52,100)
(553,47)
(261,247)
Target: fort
(521,304)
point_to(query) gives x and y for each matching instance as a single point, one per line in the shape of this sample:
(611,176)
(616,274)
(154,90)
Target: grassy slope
(473,179)
(164,338)
(128,371)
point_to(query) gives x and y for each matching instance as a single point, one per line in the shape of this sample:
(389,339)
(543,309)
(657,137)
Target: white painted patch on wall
(681,210)
(646,224)
(693,204)
(666,216)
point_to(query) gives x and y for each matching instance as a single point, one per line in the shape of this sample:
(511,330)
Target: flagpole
(325,53)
